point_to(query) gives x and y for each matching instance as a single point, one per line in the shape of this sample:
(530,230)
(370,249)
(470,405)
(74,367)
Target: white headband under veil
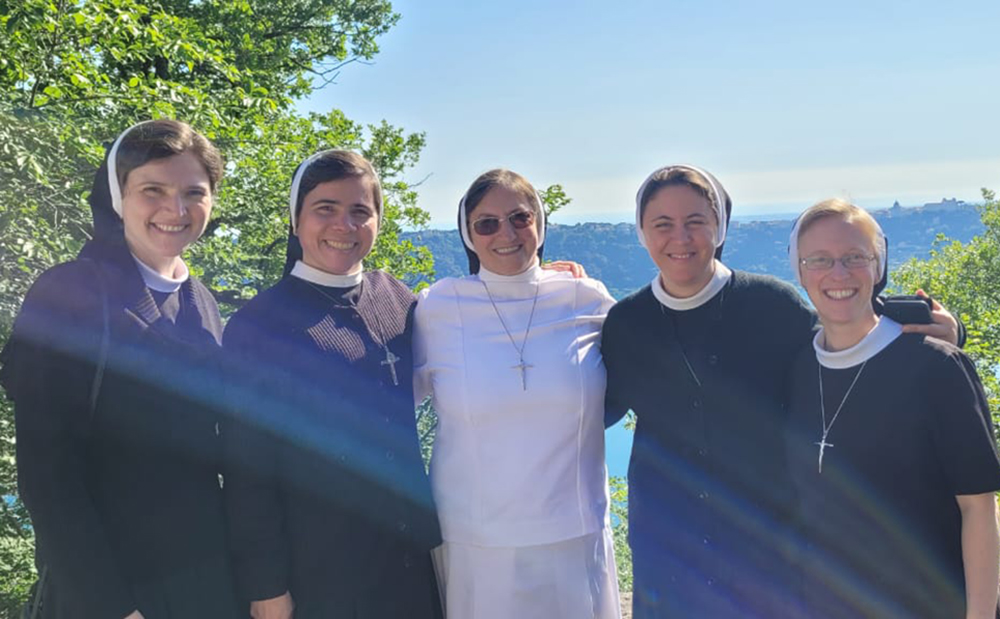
(881,252)
(293,195)
(113,185)
(464,226)
(718,200)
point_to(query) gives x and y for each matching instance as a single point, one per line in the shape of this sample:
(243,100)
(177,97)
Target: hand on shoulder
(944,326)
(566,266)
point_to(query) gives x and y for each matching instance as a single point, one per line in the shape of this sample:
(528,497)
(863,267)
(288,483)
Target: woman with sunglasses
(113,370)
(511,357)
(701,357)
(890,445)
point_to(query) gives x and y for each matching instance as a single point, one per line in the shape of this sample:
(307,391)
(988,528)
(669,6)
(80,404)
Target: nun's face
(509,250)
(842,295)
(337,225)
(165,207)
(680,226)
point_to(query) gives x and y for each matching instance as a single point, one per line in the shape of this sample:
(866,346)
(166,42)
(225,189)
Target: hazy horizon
(566,216)
(786,102)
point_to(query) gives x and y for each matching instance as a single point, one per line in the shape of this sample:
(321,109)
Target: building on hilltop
(946,204)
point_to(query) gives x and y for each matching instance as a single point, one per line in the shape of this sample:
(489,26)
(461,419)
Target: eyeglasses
(490,225)
(825,263)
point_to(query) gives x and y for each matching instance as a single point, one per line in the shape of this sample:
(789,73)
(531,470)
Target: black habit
(709,495)
(326,489)
(882,530)
(123,494)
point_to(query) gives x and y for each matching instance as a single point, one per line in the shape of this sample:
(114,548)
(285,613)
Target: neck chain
(680,345)
(822,411)
(380,340)
(521,366)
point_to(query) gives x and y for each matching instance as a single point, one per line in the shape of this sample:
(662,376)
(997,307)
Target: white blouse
(515,467)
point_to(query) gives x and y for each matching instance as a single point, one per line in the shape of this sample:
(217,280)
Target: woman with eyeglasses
(701,356)
(511,358)
(890,445)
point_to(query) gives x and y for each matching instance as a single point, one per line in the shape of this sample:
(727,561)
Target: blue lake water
(617,447)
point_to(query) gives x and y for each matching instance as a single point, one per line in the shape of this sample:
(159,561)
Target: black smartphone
(907,309)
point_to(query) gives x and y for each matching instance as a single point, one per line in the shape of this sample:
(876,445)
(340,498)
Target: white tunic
(514,467)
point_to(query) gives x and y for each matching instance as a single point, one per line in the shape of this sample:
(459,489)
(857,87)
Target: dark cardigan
(709,494)
(326,488)
(124,500)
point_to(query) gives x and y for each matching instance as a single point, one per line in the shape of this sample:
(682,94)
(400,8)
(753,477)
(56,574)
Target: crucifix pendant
(523,368)
(390,360)
(822,450)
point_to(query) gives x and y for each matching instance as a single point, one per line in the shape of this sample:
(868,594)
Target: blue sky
(786,102)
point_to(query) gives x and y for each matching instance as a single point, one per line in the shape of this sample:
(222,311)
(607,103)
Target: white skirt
(572,579)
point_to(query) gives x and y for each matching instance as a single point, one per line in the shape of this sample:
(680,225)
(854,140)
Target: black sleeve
(962,333)
(613,351)
(252,489)
(961,425)
(52,362)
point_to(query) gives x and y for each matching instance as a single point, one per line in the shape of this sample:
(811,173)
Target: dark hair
(334,165)
(671,177)
(164,138)
(507,179)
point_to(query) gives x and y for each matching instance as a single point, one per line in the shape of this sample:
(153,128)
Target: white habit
(518,473)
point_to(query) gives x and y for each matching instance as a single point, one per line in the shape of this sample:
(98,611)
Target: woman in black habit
(701,357)
(113,370)
(329,505)
(890,444)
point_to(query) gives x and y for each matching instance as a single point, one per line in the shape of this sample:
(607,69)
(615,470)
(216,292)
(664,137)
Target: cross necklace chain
(521,366)
(391,359)
(822,444)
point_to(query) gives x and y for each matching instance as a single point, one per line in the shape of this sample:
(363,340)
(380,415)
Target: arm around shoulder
(429,310)
(613,350)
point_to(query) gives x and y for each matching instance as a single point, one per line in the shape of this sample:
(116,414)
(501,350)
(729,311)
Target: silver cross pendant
(390,360)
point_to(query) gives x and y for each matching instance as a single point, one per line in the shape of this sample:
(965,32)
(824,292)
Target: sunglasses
(490,225)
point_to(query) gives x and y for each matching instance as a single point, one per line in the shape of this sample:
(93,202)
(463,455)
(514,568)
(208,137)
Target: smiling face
(510,250)
(679,226)
(165,207)
(337,225)
(842,296)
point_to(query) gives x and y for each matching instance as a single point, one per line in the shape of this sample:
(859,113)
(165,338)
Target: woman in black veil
(112,368)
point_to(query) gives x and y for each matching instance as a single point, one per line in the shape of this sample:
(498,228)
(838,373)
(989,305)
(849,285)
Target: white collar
(530,275)
(719,280)
(161,283)
(874,342)
(322,278)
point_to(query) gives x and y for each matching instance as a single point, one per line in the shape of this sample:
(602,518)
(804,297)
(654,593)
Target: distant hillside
(611,252)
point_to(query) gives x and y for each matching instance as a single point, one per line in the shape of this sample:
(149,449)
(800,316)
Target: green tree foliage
(74,73)
(965,277)
(554,198)
(619,517)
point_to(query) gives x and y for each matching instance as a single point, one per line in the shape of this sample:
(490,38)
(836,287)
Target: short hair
(334,165)
(671,177)
(159,139)
(850,213)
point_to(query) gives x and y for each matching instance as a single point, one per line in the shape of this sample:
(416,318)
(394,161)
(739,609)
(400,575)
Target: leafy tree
(74,73)
(619,517)
(965,277)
